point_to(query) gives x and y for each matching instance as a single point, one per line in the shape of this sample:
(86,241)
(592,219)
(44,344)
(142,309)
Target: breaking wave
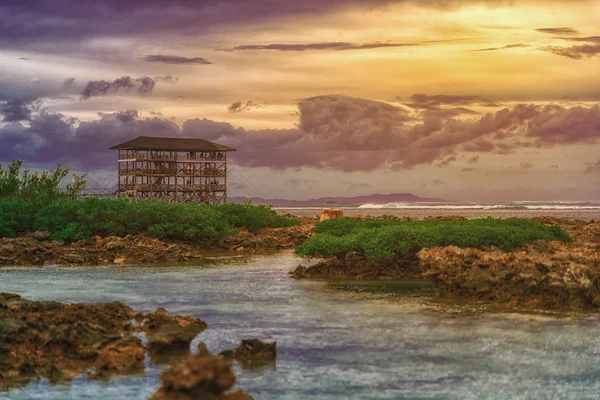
(515,205)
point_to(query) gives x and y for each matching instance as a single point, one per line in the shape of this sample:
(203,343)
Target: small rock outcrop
(548,275)
(61,341)
(331,213)
(38,249)
(355,267)
(124,356)
(170,334)
(253,353)
(203,376)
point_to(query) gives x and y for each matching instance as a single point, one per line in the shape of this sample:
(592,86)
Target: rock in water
(125,356)
(331,213)
(253,353)
(203,376)
(168,334)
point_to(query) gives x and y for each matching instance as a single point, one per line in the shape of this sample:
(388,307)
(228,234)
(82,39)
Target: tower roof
(171,144)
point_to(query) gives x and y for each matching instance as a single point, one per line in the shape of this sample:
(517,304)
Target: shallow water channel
(335,341)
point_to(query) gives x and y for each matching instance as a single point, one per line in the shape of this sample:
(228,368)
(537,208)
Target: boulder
(59,341)
(331,213)
(253,352)
(73,258)
(41,235)
(551,275)
(171,334)
(125,356)
(6,260)
(202,376)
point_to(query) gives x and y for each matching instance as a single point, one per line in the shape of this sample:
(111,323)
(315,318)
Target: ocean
(588,210)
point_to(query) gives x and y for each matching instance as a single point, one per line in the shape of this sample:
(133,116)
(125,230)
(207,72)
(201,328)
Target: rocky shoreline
(545,275)
(37,249)
(61,341)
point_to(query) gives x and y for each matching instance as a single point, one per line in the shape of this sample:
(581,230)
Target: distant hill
(353,201)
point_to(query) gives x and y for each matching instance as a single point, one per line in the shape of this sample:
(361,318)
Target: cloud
(123,116)
(334,132)
(574,52)
(446,162)
(337,46)
(166,79)
(448,112)
(434,102)
(592,167)
(142,86)
(68,83)
(577,52)
(19,108)
(526,165)
(240,106)
(33,23)
(54,138)
(166,59)
(473,160)
(508,46)
(333,46)
(484,145)
(556,125)
(591,39)
(558,31)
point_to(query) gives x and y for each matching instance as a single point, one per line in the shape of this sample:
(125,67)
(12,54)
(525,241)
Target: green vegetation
(34,201)
(377,239)
(38,186)
(81,219)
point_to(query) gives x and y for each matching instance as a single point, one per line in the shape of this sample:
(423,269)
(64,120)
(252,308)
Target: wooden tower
(180,170)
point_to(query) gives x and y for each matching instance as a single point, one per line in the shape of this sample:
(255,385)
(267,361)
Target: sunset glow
(464,100)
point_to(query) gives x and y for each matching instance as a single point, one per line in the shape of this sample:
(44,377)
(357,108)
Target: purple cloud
(166,59)
(334,132)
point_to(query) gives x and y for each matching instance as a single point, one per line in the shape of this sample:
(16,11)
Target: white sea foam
(517,205)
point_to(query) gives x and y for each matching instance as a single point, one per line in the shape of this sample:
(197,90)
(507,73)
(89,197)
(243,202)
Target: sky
(466,100)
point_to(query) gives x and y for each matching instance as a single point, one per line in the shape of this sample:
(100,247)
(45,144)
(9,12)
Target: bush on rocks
(381,239)
(82,219)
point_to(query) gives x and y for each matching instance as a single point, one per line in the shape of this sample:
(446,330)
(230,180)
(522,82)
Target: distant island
(353,201)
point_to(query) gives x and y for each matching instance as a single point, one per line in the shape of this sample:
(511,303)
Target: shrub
(16,216)
(33,200)
(82,219)
(254,218)
(38,186)
(376,239)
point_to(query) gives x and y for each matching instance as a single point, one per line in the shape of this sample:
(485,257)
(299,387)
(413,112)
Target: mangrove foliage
(37,201)
(81,219)
(378,239)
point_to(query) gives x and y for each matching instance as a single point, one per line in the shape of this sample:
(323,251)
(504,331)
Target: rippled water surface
(335,341)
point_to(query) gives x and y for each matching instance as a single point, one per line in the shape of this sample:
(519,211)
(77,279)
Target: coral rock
(331,213)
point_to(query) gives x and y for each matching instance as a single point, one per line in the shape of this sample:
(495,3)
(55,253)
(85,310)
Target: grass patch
(378,239)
